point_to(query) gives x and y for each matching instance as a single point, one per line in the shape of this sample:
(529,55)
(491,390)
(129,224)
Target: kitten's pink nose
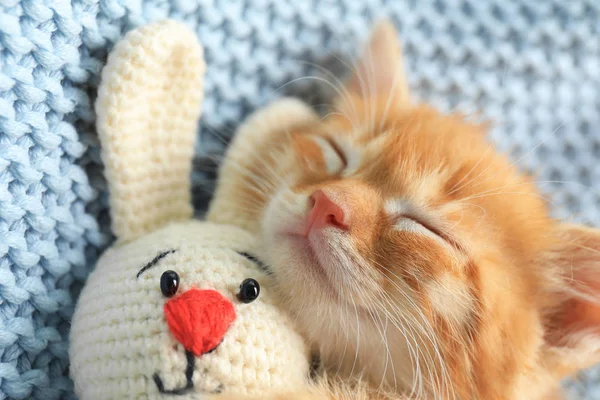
(325,213)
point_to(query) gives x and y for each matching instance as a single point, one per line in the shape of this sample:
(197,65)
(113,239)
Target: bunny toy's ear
(148,106)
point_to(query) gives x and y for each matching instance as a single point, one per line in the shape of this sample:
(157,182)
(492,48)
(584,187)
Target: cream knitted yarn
(147,110)
(120,340)
(123,345)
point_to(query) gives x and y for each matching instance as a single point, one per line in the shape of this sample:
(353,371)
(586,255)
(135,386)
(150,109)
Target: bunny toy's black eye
(249,291)
(169,283)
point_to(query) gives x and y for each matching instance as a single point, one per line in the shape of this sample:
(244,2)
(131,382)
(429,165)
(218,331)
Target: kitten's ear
(380,70)
(572,320)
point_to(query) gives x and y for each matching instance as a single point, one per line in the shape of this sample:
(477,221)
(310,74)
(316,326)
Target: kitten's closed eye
(333,156)
(411,223)
(324,153)
(407,218)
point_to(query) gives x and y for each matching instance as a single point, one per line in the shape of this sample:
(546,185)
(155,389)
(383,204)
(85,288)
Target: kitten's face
(403,232)
(415,255)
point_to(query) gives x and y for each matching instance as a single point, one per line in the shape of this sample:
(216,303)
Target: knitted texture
(148,108)
(162,312)
(531,67)
(199,319)
(123,347)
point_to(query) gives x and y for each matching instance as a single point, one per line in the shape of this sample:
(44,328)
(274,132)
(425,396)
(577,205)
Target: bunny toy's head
(177,307)
(182,311)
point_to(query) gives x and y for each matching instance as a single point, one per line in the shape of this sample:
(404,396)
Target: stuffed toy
(176,308)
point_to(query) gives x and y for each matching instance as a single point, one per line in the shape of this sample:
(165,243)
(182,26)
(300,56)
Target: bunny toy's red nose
(199,319)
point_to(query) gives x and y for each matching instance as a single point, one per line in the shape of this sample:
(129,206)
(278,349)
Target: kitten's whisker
(391,95)
(505,193)
(496,190)
(336,113)
(455,187)
(515,163)
(343,318)
(255,178)
(224,138)
(388,355)
(357,338)
(262,184)
(483,210)
(433,380)
(342,92)
(411,341)
(366,87)
(501,191)
(399,325)
(371,80)
(430,334)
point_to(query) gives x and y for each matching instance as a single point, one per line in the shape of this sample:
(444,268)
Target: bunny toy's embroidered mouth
(189,374)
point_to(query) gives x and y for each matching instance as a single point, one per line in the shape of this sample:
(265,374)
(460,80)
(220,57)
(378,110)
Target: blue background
(530,67)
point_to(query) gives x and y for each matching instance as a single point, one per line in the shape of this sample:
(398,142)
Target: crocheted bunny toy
(176,307)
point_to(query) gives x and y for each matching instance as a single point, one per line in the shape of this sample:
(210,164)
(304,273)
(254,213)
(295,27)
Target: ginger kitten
(413,255)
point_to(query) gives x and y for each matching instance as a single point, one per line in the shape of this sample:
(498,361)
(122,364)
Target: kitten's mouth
(317,270)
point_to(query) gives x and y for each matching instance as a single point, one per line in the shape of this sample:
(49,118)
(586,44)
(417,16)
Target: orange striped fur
(452,280)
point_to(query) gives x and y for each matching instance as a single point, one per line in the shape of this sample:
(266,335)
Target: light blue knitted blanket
(532,67)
